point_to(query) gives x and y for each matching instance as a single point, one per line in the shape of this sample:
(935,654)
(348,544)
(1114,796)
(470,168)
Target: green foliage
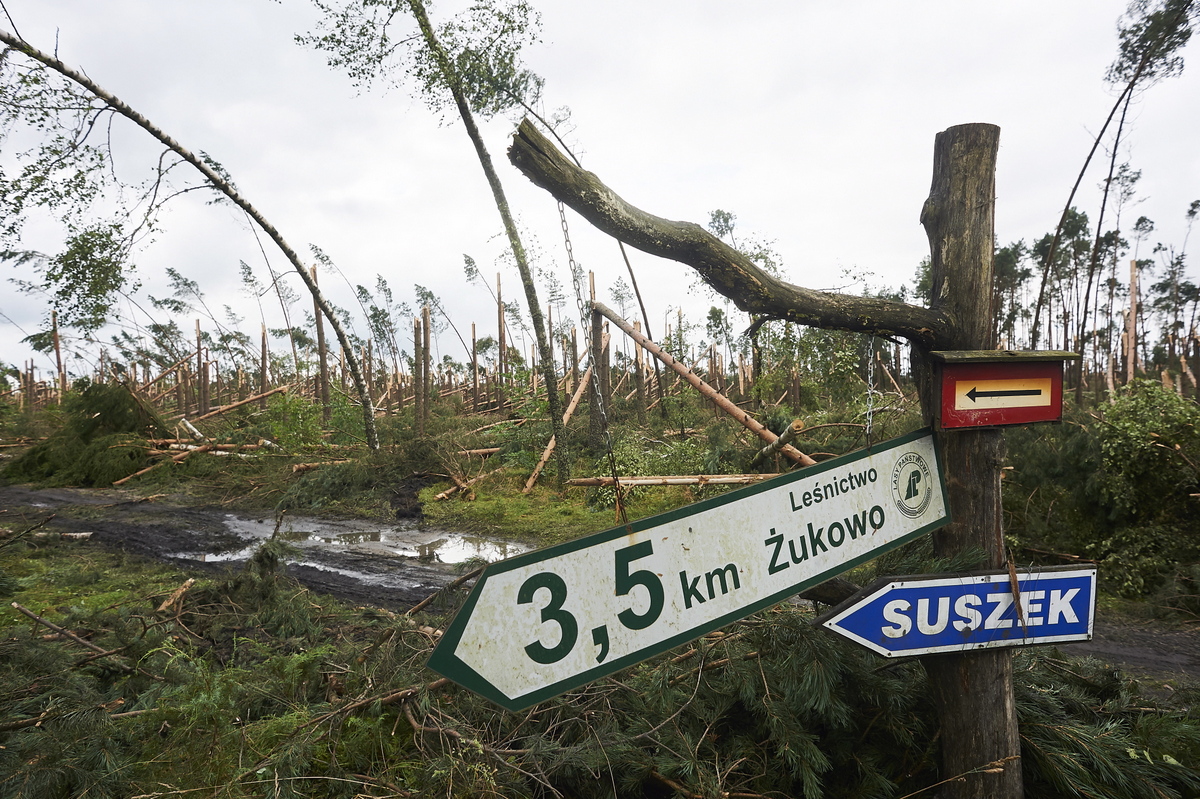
(483,45)
(102,439)
(1084,734)
(292,421)
(1118,490)
(268,690)
(1152,35)
(86,277)
(1150,442)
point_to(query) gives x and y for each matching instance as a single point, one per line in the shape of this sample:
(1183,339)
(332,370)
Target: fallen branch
(483,453)
(26,532)
(459,486)
(308,467)
(417,608)
(173,459)
(770,449)
(706,391)
(672,480)
(82,642)
(246,401)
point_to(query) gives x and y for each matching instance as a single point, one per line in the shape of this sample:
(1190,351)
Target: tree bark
(972,692)
(729,272)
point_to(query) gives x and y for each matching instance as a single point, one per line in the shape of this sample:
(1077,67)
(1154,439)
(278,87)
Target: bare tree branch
(729,272)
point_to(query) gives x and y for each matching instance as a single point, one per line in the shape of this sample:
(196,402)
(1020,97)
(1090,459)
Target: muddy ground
(399,564)
(340,560)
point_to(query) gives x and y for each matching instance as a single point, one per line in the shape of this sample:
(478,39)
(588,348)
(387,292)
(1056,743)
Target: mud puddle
(390,565)
(406,540)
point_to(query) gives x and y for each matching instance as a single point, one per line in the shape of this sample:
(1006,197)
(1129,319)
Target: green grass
(73,578)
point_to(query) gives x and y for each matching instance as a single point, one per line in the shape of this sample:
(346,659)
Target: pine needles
(268,690)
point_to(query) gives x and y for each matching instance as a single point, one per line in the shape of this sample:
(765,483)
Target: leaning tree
(30,90)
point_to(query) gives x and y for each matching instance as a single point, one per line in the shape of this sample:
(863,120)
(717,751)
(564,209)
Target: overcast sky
(813,122)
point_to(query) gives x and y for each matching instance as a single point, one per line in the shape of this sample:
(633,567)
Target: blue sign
(904,616)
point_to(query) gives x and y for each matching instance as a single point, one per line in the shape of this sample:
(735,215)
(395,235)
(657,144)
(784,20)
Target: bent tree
(473,64)
(216,179)
(974,691)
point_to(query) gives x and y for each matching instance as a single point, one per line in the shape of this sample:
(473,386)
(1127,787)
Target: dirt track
(215,540)
(368,571)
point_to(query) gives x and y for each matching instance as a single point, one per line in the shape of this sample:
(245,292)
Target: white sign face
(547,621)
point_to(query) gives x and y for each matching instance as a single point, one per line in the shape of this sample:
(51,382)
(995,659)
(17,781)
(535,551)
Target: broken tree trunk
(729,272)
(707,391)
(770,449)
(973,692)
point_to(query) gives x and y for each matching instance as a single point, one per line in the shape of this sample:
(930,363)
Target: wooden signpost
(977,726)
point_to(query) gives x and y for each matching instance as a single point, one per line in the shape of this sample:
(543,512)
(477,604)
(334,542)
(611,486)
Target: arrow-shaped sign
(545,622)
(902,616)
(975,394)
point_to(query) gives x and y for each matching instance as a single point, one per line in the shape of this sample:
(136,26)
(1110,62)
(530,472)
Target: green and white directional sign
(547,621)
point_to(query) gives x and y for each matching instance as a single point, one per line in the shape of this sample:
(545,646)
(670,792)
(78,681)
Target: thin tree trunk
(502,343)
(323,356)
(1131,336)
(62,374)
(510,228)
(426,363)
(420,392)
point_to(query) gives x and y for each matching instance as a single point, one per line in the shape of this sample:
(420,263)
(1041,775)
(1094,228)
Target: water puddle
(316,536)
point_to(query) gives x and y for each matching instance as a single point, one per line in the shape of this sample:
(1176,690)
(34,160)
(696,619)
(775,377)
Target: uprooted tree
(973,692)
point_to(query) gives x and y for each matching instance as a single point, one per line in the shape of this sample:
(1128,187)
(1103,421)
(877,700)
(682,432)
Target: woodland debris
(706,391)
(308,467)
(579,389)
(176,595)
(460,486)
(82,642)
(770,449)
(671,480)
(173,459)
(231,406)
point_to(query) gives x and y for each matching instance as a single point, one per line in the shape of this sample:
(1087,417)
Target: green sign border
(445,662)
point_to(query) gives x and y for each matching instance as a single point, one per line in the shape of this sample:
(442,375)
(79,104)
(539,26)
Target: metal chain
(870,389)
(584,324)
